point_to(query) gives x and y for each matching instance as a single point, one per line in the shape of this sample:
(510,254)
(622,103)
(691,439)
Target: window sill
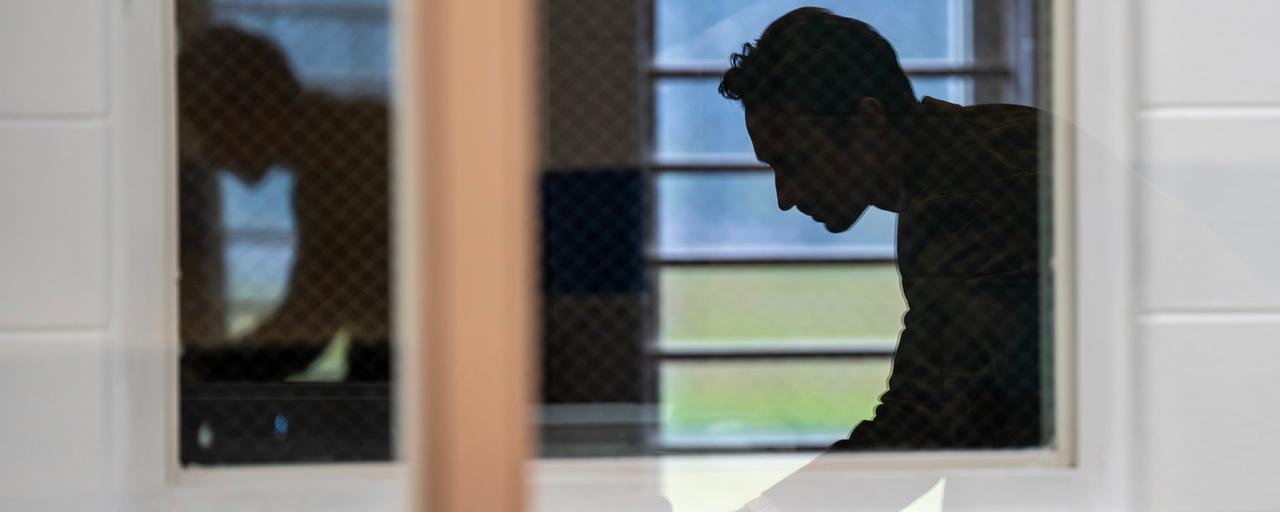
(983,480)
(315,488)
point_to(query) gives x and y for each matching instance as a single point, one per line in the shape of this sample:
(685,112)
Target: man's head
(235,89)
(822,95)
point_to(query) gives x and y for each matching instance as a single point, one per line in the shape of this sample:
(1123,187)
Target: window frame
(273,237)
(1099,70)
(142,370)
(1095,467)
(142,388)
(350,16)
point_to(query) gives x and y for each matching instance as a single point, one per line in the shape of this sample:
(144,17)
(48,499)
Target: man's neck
(285,135)
(913,141)
(896,163)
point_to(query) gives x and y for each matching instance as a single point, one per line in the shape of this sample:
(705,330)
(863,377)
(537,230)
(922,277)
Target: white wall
(86,259)
(83,265)
(54,206)
(1209,176)
(88,277)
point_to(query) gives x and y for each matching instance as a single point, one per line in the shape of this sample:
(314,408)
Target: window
(257,222)
(285,299)
(771,333)
(683,312)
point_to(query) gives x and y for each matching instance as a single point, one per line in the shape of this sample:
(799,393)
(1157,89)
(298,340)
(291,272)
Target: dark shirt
(340,276)
(968,367)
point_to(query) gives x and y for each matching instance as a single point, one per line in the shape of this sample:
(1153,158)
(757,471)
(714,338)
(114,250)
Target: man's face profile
(222,137)
(828,167)
(236,89)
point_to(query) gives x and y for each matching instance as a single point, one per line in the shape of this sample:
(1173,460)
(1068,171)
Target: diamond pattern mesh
(641,356)
(285,228)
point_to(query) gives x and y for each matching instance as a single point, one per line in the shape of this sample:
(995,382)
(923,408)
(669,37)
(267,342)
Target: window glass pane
(284,228)
(353,60)
(710,30)
(300,5)
(856,306)
(736,214)
(260,240)
(687,311)
(955,89)
(767,403)
(264,205)
(257,274)
(693,122)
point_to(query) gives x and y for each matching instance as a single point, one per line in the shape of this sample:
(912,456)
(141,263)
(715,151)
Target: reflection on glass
(260,239)
(736,214)
(354,60)
(284,134)
(921,30)
(262,206)
(767,403)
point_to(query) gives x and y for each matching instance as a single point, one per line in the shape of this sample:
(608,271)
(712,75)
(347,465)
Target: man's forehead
(778,125)
(770,118)
(771,109)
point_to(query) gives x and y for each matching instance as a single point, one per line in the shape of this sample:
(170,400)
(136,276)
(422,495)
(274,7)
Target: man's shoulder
(996,114)
(987,114)
(323,109)
(988,166)
(987,119)
(982,143)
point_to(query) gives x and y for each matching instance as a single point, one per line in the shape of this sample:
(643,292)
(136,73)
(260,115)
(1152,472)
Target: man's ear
(873,114)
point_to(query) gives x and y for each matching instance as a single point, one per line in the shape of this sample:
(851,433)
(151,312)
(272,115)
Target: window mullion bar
(768,354)
(768,260)
(349,13)
(718,71)
(708,167)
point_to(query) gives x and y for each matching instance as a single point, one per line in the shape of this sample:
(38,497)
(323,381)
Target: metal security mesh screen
(285,230)
(692,304)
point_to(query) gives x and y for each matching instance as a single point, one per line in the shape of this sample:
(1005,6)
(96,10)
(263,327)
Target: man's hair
(236,71)
(821,62)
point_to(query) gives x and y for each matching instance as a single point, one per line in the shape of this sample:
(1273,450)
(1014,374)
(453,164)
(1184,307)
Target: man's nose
(786,197)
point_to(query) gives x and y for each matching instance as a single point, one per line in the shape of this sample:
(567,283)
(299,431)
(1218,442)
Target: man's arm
(966,373)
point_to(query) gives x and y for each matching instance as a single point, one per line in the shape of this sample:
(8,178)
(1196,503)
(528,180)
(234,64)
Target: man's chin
(844,222)
(249,174)
(837,226)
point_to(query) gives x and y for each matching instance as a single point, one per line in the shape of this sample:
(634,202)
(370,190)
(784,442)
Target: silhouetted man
(829,108)
(244,111)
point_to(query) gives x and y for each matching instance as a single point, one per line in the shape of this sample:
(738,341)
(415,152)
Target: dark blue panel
(593,231)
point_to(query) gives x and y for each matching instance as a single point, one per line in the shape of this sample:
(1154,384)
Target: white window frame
(143,370)
(1091,467)
(463,420)
(1094,77)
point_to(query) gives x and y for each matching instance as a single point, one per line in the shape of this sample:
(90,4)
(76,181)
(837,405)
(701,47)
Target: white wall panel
(1210,51)
(1211,425)
(52,435)
(53,210)
(1210,189)
(52,57)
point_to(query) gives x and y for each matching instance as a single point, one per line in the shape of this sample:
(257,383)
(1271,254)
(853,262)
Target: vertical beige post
(467,158)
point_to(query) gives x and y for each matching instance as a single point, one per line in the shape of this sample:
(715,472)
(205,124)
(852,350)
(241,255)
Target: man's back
(340,276)
(967,371)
